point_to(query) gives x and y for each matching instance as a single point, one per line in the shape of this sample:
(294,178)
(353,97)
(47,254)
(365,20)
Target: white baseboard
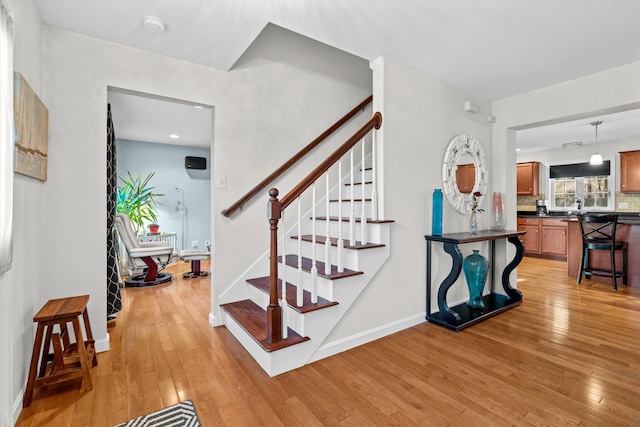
(213,321)
(17,405)
(364,337)
(102,345)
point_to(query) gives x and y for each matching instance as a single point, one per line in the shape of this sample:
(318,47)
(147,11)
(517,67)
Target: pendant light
(596,159)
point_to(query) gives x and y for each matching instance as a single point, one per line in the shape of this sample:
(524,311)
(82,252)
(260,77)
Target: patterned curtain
(114,302)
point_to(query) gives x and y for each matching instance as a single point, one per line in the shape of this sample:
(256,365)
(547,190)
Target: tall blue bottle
(436,213)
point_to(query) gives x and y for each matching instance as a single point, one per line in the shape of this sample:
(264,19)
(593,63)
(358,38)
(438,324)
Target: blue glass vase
(436,213)
(475,268)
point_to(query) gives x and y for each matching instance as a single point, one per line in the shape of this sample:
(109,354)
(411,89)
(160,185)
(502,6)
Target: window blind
(580,169)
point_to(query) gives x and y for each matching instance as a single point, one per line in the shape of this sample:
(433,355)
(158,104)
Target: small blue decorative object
(475,268)
(436,213)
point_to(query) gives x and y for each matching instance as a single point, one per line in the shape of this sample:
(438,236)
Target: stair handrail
(275,208)
(293,160)
(374,122)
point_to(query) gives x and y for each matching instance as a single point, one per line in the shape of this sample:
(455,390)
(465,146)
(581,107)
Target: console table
(462,315)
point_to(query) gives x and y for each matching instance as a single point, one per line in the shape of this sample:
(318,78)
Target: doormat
(182,414)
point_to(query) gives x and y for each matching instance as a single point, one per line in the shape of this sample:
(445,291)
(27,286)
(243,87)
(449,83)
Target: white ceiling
(490,48)
(140,117)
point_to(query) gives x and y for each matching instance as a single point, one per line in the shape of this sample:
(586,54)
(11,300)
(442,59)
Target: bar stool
(599,233)
(68,360)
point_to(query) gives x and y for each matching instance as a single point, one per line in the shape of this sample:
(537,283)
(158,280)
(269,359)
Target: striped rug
(181,415)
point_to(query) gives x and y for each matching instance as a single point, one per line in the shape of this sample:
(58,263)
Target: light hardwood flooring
(569,355)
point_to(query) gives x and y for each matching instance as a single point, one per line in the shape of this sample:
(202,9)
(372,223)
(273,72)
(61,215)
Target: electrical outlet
(623,205)
(194,244)
(207,243)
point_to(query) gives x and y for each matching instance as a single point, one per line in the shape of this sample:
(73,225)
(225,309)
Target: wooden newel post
(274,311)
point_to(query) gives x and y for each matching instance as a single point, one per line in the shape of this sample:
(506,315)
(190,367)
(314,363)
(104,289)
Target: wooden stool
(68,360)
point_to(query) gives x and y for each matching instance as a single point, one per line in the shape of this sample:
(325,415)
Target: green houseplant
(137,199)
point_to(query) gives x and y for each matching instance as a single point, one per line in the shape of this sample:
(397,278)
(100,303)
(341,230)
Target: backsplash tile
(632,200)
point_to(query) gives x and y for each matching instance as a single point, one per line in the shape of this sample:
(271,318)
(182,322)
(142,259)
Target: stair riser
(273,363)
(334,228)
(349,256)
(357,175)
(346,208)
(357,191)
(313,323)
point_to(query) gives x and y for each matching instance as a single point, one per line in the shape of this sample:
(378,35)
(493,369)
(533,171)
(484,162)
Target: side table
(461,316)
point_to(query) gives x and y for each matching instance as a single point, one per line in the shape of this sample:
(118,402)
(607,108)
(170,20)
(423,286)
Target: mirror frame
(459,146)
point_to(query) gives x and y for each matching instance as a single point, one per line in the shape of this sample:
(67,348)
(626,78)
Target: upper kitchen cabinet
(629,172)
(528,174)
(466,178)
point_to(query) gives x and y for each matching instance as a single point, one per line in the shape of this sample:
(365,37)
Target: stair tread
(253,319)
(358,183)
(262,283)
(344,218)
(334,242)
(344,200)
(292,261)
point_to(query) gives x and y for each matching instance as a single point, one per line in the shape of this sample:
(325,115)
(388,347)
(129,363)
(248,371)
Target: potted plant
(154,228)
(137,199)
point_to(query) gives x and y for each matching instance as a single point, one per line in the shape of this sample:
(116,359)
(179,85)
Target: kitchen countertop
(632,218)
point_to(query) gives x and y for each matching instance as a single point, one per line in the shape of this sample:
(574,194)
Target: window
(6,139)
(591,185)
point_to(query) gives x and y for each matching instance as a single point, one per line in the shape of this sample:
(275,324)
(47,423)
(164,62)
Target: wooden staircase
(310,324)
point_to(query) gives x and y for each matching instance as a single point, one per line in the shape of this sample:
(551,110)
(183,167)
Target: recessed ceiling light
(198,106)
(517,149)
(153,24)
(174,136)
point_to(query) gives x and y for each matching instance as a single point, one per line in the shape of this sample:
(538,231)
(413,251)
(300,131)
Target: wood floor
(569,355)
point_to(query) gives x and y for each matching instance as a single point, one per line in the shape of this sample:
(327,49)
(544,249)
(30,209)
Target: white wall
(167,162)
(596,94)
(22,287)
(421,115)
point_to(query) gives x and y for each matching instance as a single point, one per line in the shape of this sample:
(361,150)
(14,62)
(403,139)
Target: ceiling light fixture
(596,159)
(153,24)
(572,144)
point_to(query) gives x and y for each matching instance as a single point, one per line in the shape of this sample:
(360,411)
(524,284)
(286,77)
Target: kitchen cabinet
(553,237)
(531,240)
(466,178)
(528,178)
(545,238)
(630,171)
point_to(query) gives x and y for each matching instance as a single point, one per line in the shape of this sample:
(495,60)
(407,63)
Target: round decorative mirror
(464,172)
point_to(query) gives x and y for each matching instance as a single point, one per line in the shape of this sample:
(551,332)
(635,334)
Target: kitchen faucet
(578,203)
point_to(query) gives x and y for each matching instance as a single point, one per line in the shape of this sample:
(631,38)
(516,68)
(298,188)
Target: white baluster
(299,284)
(327,239)
(374,190)
(340,241)
(284,279)
(314,268)
(363,216)
(352,215)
